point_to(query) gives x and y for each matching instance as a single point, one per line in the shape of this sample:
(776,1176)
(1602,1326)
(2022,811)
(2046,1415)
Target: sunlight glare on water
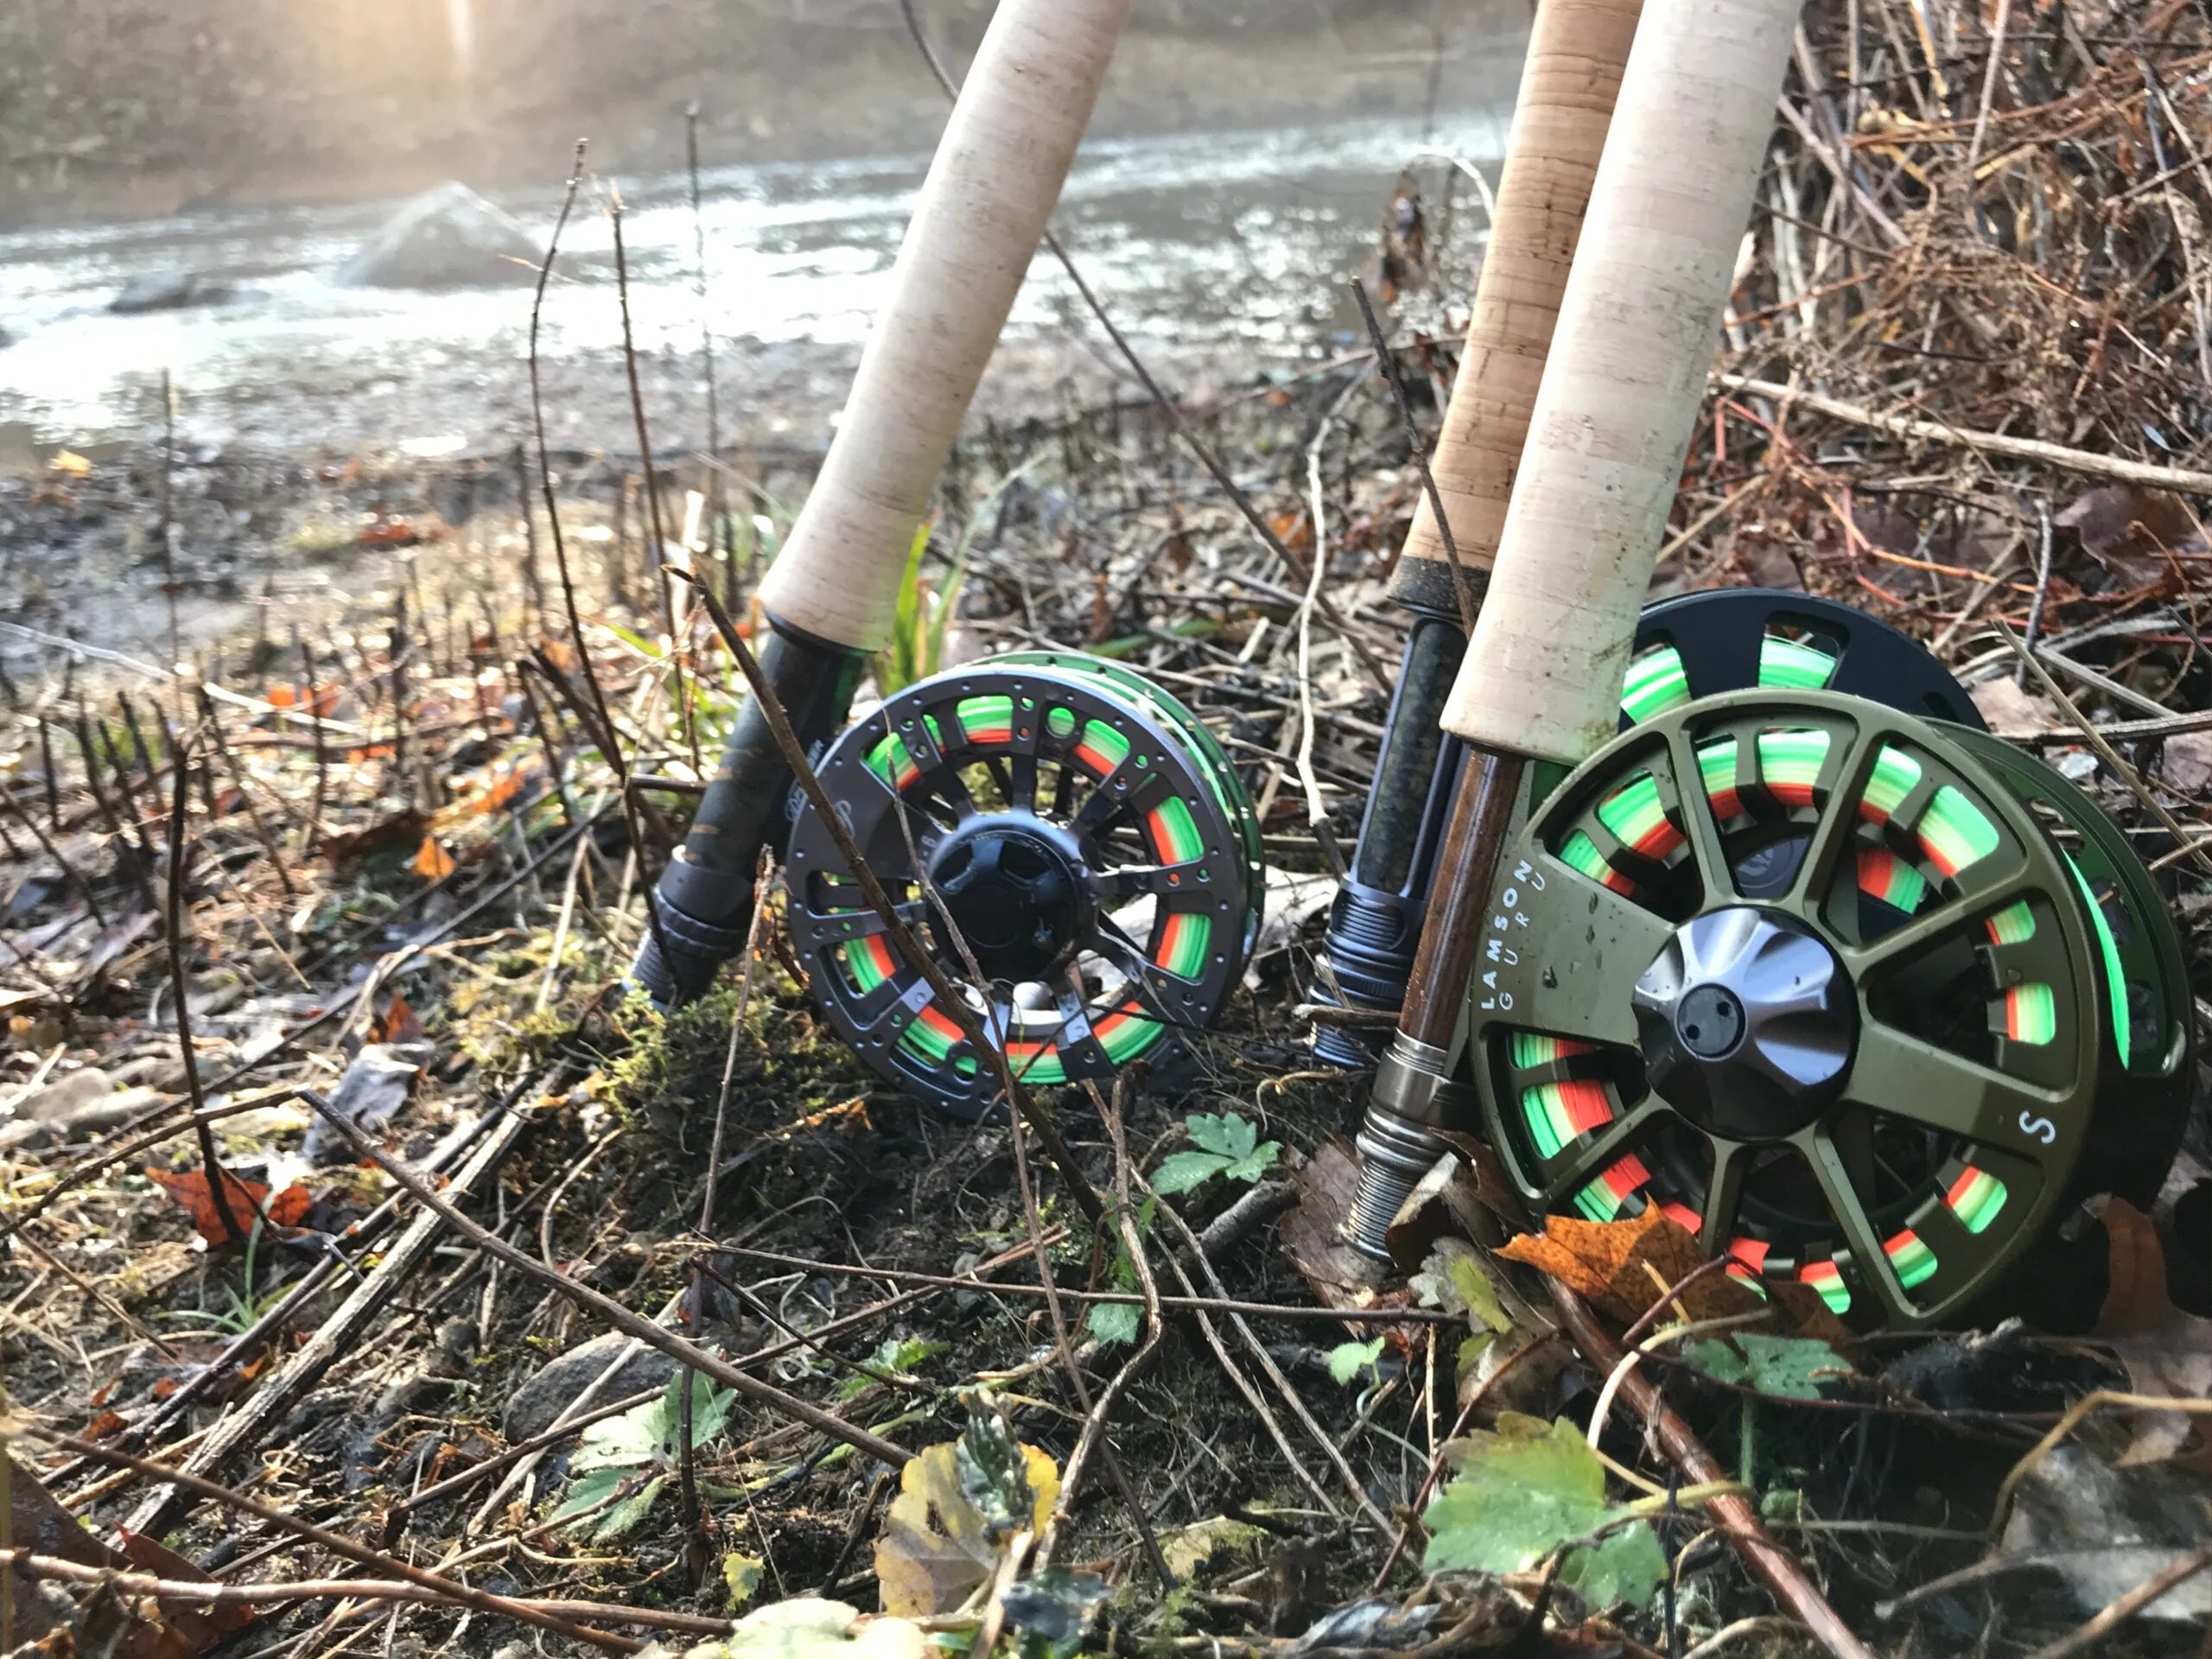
(1199,237)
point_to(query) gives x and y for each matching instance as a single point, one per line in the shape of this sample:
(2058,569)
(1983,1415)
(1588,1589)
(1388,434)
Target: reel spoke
(866,923)
(1585,1164)
(1867,1246)
(1910,1078)
(1133,880)
(1902,945)
(1724,1190)
(1835,832)
(1701,829)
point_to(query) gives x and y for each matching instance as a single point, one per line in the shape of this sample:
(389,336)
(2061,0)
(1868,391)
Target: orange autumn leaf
(247,1200)
(197,1625)
(107,1423)
(1623,1267)
(505,791)
(399,1023)
(279,697)
(1604,1262)
(1293,528)
(432,861)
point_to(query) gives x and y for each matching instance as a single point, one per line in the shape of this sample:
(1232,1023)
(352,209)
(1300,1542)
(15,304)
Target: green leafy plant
(1530,1490)
(243,1309)
(1348,1359)
(925,608)
(1454,1279)
(1788,1367)
(1226,1146)
(919,619)
(893,1356)
(960,1507)
(741,1577)
(1113,1322)
(625,1462)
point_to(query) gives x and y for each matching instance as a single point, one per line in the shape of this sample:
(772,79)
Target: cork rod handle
(1569,81)
(977,225)
(1638,324)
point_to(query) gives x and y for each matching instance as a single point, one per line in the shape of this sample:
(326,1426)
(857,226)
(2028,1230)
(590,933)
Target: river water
(1234,243)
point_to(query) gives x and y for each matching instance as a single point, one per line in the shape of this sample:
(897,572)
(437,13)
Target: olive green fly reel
(1860,999)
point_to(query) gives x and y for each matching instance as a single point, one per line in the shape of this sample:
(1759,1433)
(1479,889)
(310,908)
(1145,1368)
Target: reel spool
(1730,640)
(1696,645)
(1054,824)
(1860,999)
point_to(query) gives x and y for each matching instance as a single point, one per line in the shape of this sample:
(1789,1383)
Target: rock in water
(168,291)
(451,238)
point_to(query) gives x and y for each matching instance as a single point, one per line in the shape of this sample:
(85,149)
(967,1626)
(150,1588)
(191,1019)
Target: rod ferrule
(1413,1097)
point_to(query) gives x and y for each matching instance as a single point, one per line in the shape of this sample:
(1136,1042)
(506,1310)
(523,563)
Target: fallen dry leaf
(247,1199)
(1312,1232)
(403,829)
(2013,712)
(1622,1266)
(2185,761)
(937,1547)
(199,1624)
(399,1023)
(375,1086)
(2166,1350)
(2131,529)
(41,1525)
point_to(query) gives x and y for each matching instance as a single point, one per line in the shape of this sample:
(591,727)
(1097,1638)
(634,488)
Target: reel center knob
(1011,890)
(1710,1021)
(1748,1022)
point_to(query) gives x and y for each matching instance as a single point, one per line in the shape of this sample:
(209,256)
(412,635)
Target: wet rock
(545,1397)
(2106,1530)
(168,291)
(449,237)
(83,1103)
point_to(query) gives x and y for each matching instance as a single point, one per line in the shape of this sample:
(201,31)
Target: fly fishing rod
(1576,49)
(829,599)
(1072,845)
(1596,479)
(1857,994)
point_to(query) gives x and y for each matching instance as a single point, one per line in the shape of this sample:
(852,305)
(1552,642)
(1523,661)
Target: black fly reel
(1730,640)
(1073,847)
(1860,999)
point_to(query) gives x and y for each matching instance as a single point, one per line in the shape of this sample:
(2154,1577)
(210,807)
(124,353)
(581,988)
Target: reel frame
(1635,846)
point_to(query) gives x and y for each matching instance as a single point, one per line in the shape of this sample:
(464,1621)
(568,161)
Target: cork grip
(1568,83)
(980,214)
(1638,324)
